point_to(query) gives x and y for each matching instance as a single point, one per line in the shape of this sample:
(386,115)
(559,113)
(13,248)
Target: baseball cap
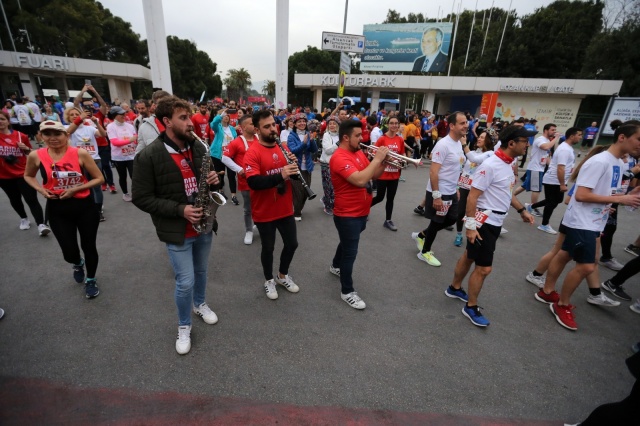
(512,132)
(52,125)
(116,110)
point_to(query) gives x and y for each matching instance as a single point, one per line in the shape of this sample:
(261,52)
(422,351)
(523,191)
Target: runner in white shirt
(597,187)
(124,139)
(560,168)
(441,201)
(537,162)
(487,205)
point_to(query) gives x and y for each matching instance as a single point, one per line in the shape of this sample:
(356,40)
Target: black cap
(512,132)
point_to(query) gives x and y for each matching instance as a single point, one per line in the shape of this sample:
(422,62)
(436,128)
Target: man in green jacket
(165,184)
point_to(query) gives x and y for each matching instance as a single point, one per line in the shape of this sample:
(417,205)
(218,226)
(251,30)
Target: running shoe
(456,293)
(104,187)
(126,197)
(205,312)
(549,299)
(112,189)
(419,240)
(548,229)
(334,271)
(419,210)
(537,281)
(602,300)
(402,179)
(327,211)
(25,224)
(1,313)
(503,230)
(389,225)
(183,342)
(78,272)
(43,230)
(91,288)
(429,258)
(635,307)
(287,282)
(298,218)
(235,201)
(474,315)
(270,289)
(528,207)
(102,219)
(353,300)
(458,241)
(631,249)
(564,315)
(616,290)
(612,264)
(635,347)
(248,238)
(449,228)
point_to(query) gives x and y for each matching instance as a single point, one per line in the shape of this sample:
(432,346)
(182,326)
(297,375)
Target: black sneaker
(91,289)
(631,249)
(419,210)
(616,290)
(102,219)
(234,200)
(78,272)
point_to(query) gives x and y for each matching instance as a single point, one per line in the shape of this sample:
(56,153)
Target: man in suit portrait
(432,59)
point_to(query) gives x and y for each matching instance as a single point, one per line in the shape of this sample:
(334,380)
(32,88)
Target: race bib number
(391,169)
(128,150)
(465,181)
(589,137)
(66,180)
(543,160)
(442,211)
(481,217)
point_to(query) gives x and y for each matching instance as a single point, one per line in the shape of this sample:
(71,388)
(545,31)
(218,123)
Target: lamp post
(25,32)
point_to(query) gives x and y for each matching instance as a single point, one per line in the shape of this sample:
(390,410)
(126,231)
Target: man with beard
(268,174)
(143,108)
(201,122)
(165,184)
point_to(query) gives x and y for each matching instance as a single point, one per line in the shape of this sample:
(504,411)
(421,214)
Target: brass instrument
(206,199)
(393,158)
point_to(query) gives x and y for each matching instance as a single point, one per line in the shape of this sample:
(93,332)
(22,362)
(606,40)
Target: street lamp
(25,32)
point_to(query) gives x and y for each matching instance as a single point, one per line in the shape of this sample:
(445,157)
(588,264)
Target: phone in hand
(87,82)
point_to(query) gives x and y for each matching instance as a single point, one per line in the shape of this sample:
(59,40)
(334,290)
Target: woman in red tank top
(72,211)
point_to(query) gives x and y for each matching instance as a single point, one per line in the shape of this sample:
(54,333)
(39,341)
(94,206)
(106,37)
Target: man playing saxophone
(165,185)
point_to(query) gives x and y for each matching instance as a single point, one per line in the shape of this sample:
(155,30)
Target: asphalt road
(410,350)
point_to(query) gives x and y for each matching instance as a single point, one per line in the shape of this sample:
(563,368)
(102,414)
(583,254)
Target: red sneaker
(564,316)
(113,189)
(549,299)
(104,186)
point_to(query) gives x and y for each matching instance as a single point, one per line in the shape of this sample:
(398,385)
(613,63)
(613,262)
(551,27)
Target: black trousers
(462,207)
(287,229)
(73,217)
(623,413)
(122,167)
(18,188)
(552,197)
(388,187)
(630,269)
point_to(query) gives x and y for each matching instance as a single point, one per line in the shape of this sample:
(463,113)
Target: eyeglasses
(517,140)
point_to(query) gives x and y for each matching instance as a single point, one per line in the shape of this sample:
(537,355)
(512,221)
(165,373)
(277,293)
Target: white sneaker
(537,281)
(25,224)
(248,238)
(298,218)
(503,230)
(183,343)
(334,271)
(635,307)
(288,283)
(548,229)
(353,300)
(1,312)
(43,230)
(612,264)
(126,197)
(206,313)
(419,241)
(602,300)
(270,289)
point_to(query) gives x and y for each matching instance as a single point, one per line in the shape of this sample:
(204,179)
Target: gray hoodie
(147,133)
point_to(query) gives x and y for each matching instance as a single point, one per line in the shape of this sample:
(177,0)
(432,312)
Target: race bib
(128,150)
(391,169)
(543,160)
(481,217)
(589,136)
(465,181)
(442,211)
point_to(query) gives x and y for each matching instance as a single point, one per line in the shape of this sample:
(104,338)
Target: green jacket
(158,188)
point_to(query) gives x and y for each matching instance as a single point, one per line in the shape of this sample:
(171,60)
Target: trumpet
(393,158)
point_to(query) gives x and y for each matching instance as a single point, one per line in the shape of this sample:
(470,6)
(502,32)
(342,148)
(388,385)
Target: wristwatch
(520,210)
(436,194)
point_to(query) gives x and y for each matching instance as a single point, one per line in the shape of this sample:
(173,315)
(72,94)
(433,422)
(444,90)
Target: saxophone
(206,199)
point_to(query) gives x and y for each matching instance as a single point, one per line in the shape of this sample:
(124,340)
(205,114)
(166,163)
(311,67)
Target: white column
(375,100)
(157,44)
(317,99)
(428,101)
(120,89)
(25,83)
(282,52)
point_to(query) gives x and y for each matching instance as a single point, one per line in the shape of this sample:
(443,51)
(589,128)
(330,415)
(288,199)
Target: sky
(241,33)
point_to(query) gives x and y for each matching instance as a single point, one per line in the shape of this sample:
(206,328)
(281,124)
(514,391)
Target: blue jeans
(189,262)
(349,229)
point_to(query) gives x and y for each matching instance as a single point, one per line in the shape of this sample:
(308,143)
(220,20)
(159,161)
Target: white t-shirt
(22,114)
(375,135)
(564,156)
(85,137)
(284,135)
(117,130)
(539,156)
(496,179)
(603,174)
(474,159)
(35,109)
(448,153)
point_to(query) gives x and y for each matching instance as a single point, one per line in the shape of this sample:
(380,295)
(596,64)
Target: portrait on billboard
(432,59)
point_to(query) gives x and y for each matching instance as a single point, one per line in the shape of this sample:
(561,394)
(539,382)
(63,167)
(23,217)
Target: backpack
(23,116)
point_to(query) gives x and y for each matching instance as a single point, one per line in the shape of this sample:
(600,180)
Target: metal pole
(438,15)
(504,30)
(455,33)
(473,22)
(346,9)
(487,32)
(8,28)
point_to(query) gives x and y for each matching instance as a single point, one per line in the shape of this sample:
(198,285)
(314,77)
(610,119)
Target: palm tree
(269,88)
(237,82)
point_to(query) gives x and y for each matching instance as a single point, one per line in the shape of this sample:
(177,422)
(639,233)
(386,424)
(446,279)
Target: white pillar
(25,83)
(157,44)
(120,89)
(428,101)
(317,99)
(375,100)
(282,52)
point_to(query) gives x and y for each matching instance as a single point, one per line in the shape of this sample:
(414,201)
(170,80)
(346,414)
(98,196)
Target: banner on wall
(561,111)
(488,105)
(623,109)
(414,47)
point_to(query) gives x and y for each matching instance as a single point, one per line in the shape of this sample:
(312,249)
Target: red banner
(488,105)
(256,99)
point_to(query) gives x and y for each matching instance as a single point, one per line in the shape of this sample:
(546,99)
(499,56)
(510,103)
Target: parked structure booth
(30,68)
(547,100)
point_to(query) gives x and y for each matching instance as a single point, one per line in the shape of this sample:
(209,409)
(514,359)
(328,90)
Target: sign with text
(623,109)
(488,105)
(558,110)
(416,47)
(339,42)
(345,63)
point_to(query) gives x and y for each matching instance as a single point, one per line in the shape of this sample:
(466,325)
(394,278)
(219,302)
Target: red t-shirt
(350,200)
(64,174)
(101,140)
(395,144)
(130,117)
(9,146)
(266,204)
(190,181)
(201,125)
(236,151)
(366,135)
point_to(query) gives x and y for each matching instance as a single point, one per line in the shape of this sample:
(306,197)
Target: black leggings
(287,229)
(552,197)
(630,268)
(122,167)
(606,238)
(383,186)
(73,217)
(621,413)
(15,188)
(462,208)
(219,166)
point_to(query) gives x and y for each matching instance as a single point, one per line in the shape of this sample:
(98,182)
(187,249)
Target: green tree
(310,60)
(192,71)
(238,82)
(269,88)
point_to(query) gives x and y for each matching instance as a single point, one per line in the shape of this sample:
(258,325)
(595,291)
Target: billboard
(623,109)
(415,47)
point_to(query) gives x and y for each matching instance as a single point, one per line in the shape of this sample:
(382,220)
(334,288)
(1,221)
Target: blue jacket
(216,145)
(296,146)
